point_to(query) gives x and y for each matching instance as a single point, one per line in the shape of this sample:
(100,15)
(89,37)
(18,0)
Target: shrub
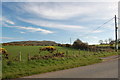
(67,45)
(3,51)
(78,44)
(48,48)
(59,45)
(59,54)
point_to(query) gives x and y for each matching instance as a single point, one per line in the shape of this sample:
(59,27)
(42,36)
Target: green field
(73,58)
(107,45)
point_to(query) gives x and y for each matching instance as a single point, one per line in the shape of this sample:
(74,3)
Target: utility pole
(116,35)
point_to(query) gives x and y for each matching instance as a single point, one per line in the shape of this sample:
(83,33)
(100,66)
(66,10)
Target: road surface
(106,69)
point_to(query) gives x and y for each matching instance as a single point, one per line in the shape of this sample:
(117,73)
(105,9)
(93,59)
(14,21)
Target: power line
(118,18)
(100,26)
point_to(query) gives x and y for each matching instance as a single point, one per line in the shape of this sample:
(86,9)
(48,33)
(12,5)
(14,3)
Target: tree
(106,41)
(101,41)
(78,44)
(109,40)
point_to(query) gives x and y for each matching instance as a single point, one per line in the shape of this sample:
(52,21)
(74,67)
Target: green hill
(32,43)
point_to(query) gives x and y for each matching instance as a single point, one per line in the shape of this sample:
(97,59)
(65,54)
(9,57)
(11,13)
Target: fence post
(84,51)
(73,54)
(79,51)
(28,56)
(19,56)
(66,53)
(88,51)
(39,51)
(95,50)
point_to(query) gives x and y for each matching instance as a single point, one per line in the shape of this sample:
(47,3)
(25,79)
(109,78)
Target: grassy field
(103,45)
(106,45)
(73,58)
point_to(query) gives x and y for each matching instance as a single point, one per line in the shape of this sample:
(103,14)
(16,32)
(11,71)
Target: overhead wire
(99,27)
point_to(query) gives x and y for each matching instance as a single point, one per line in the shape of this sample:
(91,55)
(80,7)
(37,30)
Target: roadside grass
(103,45)
(73,58)
(107,45)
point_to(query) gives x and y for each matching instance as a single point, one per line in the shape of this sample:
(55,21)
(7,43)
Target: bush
(59,45)
(64,45)
(3,51)
(68,45)
(59,54)
(78,44)
(48,48)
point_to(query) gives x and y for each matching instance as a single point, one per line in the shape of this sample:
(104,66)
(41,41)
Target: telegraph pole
(116,35)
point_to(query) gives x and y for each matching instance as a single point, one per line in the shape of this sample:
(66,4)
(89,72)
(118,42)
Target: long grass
(73,58)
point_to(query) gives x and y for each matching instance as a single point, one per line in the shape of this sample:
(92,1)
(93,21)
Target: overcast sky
(58,21)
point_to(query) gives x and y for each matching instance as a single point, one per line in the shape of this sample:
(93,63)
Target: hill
(31,43)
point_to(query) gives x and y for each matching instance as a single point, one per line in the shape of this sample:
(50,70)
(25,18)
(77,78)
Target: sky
(119,20)
(58,21)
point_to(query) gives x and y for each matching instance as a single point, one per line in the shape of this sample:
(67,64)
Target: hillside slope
(32,43)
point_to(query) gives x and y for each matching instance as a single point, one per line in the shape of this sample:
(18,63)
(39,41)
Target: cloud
(7,20)
(97,31)
(9,38)
(91,37)
(60,1)
(30,29)
(10,22)
(75,17)
(55,10)
(51,24)
(60,11)
(22,32)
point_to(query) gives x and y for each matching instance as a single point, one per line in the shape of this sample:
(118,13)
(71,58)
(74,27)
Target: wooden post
(28,56)
(73,54)
(84,51)
(20,56)
(39,51)
(95,51)
(88,51)
(66,53)
(79,51)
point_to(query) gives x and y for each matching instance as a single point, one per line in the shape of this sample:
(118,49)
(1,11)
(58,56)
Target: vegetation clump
(78,44)
(59,54)
(48,48)
(3,51)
